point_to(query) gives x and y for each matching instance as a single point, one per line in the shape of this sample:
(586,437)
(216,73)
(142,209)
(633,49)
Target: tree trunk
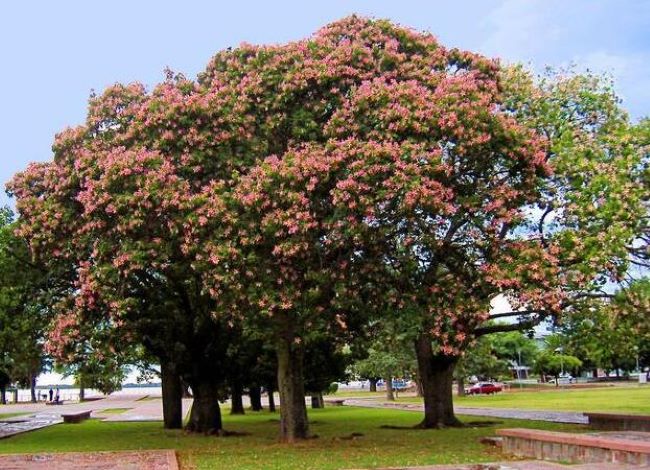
(205,416)
(461,386)
(3,395)
(236,398)
(373,385)
(82,391)
(32,388)
(317,400)
(436,374)
(271,395)
(293,411)
(418,387)
(172,396)
(390,396)
(255,394)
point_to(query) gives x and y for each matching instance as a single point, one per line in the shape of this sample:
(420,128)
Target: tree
(591,209)
(23,315)
(325,363)
(492,356)
(549,362)
(109,213)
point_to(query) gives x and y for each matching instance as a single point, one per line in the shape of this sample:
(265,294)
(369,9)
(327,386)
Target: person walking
(51,392)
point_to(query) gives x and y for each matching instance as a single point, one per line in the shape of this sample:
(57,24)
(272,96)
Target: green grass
(261,450)
(11,415)
(113,411)
(149,398)
(634,400)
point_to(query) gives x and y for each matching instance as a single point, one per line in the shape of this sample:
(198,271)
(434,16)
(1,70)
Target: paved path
(533,415)
(40,415)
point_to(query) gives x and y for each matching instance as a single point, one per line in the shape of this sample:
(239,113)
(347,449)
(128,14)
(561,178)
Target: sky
(53,54)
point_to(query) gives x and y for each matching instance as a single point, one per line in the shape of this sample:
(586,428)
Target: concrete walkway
(40,415)
(533,415)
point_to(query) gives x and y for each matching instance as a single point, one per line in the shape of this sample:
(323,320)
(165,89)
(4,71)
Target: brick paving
(534,415)
(129,460)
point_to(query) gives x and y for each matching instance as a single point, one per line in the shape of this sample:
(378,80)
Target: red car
(485,388)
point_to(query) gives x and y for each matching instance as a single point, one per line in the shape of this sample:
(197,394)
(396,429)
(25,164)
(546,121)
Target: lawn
(633,399)
(260,450)
(113,411)
(11,415)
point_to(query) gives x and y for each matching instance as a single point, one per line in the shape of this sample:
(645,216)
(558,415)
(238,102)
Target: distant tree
(550,363)
(325,363)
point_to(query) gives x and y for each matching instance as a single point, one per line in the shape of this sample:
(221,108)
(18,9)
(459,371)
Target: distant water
(72,394)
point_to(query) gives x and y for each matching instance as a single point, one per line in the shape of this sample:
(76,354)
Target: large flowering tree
(392,175)
(292,190)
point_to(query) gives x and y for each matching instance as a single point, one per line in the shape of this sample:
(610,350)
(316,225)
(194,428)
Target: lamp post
(519,367)
(561,351)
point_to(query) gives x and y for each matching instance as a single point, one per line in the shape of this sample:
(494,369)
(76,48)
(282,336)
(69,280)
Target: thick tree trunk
(373,385)
(32,388)
(461,386)
(172,396)
(293,411)
(3,395)
(437,374)
(271,395)
(390,396)
(205,416)
(236,398)
(255,394)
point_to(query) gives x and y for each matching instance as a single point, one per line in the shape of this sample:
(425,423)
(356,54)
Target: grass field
(261,450)
(634,399)
(11,415)
(113,411)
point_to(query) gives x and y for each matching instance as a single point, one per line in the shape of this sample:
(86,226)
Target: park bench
(335,402)
(618,422)
(78,417)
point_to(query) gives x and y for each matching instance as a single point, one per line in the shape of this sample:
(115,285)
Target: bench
(78,417)
(335,402)
(618,422)
(54,402)
(583,448)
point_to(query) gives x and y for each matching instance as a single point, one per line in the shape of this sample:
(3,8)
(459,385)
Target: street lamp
(561,351)
(519,367)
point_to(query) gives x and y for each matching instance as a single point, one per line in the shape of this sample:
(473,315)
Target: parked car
(484,388)
(398,384)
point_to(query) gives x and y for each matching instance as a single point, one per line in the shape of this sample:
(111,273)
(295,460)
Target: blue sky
(54,53)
